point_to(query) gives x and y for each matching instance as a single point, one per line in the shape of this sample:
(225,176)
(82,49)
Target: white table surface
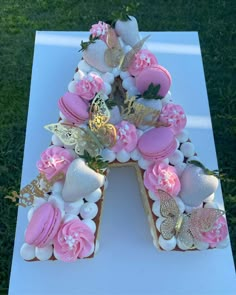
(127,262)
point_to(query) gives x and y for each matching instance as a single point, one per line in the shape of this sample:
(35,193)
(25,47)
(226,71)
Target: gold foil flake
(139,114)
(99,134)
(39,187)
(186,227)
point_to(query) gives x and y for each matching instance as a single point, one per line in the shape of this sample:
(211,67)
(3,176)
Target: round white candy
(107,88)
(176,158)
(182,136)
(57,187)
(91,251)
(180,168)
(44,253)
(135,155)
(56,141)
(116,72)
(27,251)
(90,223)
(167,245)
(181,245)
(128,82)
(123,156)
(156,208)
(177,142)
(108,78)
(167,98)
(210,198)
(78,75)
(71,87)
(159,222)
(152,195)
(213,205)
(201,245)
(180,204)
(94,196)
(133,90)
(144,164)
(84,66)
(166,161)
(73,207)
(30,213)
(124,75)
(88,210)
(95,72)
(108,155)
(188,149)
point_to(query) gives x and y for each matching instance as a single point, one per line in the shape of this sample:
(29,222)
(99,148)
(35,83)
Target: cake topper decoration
(187,227)
(99,134)
(139,114)
(39,187)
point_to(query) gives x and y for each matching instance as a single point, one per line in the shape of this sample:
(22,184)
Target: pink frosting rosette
(173,115)
(89,86)
(143,59)
(54,160)
(218,233)
(162,176)
(126,137)
(99,30)
(74,240)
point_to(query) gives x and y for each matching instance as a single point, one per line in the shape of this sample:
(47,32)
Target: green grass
(215,22)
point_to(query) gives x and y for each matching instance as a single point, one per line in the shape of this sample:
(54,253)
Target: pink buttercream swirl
(218,233)
(126,137)
(99,30)
(54,160)
(89,86)
(143,59)
(74,240)
(162,176)
(173,115)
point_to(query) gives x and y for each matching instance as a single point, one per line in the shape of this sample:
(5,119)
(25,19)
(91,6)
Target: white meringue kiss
(89,210)
(44,253)
(94,196)
(27,251)
(167,245)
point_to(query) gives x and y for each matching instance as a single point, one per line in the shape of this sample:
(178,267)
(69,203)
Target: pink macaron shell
(156,75)
(157,143)
(52,230)
(39,224)
(74,108)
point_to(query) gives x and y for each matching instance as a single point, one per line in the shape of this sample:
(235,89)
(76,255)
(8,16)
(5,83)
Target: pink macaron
(74,108)
(157,144)
(156,75)
(43,225)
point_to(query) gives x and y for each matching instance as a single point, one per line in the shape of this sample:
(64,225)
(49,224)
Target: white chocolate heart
(128,30)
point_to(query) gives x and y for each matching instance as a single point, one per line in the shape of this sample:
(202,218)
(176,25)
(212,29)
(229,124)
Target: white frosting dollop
(128,82)
(27,251)
(94,196)
(133,90)
(73,207)
(84,66)
(201,245)
(88,210)
(108,78)
(123,156)
(181,245)
(144,164)
(124,75)
(180,168)
(152,195)
(156,207)
(108,155)
(107,87)
(71,86)
(44,253)
(167,245)
(79,75)
(116,72)
(182,136)
(135,155)
(159,222)
(57,187)
(91,251)
(176,158)
(167,98)
(188,149)
(56,140)
(166,161)
(91,224)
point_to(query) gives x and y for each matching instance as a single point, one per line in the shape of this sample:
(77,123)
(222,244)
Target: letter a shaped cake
(119,112)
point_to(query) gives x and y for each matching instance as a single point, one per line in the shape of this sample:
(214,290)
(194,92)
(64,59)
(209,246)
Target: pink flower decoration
(74,240)
(126,137)
(173,115)
(54,160)
(143,59)
(218,233)
(89,86)
(99,30)
(162,176)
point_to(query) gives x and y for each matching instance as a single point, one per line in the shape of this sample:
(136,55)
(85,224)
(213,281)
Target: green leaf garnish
(85,45)
(110,103)
(125,11)
(152,92)
(98,164)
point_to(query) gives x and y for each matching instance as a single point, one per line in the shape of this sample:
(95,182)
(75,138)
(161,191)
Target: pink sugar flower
(74,240)
(54,160)
(126,137)
(173,115)
(218,233)
(99,30)
(143,59)
(162,176)
(89,86)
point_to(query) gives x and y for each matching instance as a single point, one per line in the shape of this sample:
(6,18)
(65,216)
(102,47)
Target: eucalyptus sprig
(216,173)
(85,45)
(152,92)
(98,164)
